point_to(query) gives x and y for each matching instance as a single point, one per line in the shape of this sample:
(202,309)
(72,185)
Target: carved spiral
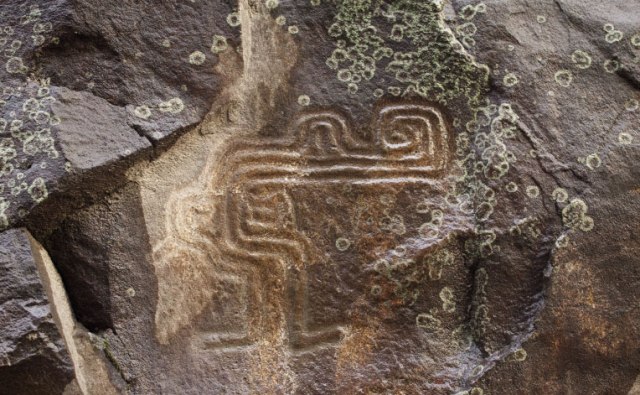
(322,133)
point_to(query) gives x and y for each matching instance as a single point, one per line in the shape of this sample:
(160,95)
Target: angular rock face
(33,354)
(44,350)
(315,196)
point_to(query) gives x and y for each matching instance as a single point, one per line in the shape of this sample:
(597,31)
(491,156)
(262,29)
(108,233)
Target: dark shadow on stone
(90,250)
(35,376)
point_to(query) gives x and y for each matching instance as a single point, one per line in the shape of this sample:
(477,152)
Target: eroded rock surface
(315,196)
(33,355)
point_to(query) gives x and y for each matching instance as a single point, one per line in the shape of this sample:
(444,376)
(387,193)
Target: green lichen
(27,122)
(560,195)
(393,224)
(343,244)
(533,191)
(520,355)
(564,78)
(437,262)
(38,190)
(304,100)
(488,132)
(511,187)
(527,228)
(4,205)
(480,316)
(448,300)
(233,19)
(625,138)
(219,44)
(106,349)
(581,59)
(428,322)
(611,34)
(632,105)
(197,58)
(611,65)
(510,80)
(431,229)
(574,216)
(173,106)
(408,41)
(143,112)
(469,11)
(592,161)
(272,4)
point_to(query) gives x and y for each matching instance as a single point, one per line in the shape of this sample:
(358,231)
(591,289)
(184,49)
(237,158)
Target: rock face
(34,357)
(327,196)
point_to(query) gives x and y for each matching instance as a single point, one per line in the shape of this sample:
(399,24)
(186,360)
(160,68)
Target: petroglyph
(224,239)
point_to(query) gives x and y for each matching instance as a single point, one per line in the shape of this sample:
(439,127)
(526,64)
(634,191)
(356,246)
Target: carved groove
(246,215)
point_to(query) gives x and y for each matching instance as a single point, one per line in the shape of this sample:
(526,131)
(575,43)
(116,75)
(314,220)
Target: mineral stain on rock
(319,196)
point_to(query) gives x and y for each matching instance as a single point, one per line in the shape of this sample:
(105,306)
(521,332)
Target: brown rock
(411,196)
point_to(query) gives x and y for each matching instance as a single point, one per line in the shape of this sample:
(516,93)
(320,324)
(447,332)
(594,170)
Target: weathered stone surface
(131,61)
(315,196)
(33,355)
(44,350)
(94,372)
(94,133)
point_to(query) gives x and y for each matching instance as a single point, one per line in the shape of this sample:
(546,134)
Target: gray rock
(33,355)
(94,133)
(109,55)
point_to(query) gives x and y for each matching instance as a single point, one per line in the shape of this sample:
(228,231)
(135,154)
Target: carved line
(289,162)
(226,340)
(335,131)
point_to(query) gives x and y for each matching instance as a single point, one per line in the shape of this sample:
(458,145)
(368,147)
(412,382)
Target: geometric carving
(228,322)
(413,132)
(249,230)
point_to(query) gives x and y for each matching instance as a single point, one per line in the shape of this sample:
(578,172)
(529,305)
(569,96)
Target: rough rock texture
(33,355)
(88,84)
(333,196)
(44,350)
